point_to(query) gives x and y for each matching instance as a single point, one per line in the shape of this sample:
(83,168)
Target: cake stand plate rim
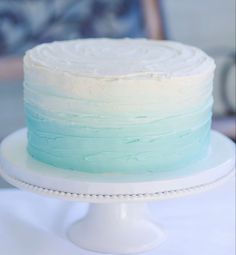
(19,170)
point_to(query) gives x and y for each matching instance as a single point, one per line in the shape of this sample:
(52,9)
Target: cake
(118,105)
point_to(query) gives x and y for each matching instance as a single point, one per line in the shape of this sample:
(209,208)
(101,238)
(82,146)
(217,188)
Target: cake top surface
(120,57)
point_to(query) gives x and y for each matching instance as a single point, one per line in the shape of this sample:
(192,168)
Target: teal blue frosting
(159,145)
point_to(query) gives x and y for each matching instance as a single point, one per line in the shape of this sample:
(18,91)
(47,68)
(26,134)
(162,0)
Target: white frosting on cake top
(117,58)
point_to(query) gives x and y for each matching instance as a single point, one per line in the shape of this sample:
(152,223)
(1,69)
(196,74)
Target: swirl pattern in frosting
(107,57)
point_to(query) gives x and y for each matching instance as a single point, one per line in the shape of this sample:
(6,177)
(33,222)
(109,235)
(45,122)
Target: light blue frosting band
(162,145)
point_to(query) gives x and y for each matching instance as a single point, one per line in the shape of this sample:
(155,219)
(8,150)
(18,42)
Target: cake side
(144,118)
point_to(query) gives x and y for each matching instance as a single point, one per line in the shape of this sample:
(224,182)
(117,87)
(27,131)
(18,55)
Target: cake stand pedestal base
(118,220)
(116,228)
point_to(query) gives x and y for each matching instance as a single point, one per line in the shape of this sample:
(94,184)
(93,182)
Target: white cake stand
(118,221)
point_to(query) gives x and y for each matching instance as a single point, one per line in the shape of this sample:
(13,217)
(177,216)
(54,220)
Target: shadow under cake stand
(118,220)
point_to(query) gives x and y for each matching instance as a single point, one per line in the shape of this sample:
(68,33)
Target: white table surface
(202,224)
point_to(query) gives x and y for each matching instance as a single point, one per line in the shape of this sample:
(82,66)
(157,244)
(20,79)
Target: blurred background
(208,24)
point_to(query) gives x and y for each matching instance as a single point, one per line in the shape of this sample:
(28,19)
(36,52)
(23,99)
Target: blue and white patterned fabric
(24,23)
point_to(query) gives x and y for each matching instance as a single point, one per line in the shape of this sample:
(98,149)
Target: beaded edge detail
(100,198)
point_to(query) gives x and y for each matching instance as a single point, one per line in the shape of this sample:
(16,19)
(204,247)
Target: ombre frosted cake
(123,106)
